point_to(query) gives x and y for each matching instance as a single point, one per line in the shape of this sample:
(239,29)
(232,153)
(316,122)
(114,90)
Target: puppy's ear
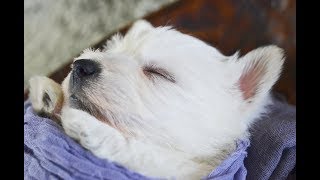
(139,27)
(260,69)
(46,96)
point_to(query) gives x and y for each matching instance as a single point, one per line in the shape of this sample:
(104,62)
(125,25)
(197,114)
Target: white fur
(182,129)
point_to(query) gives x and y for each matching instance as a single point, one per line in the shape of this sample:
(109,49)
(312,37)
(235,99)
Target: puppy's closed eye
(152,71)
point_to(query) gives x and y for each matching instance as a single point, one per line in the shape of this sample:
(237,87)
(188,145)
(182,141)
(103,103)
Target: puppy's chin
(76,103)
(83,104)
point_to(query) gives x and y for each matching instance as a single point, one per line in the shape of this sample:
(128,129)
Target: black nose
(85,68)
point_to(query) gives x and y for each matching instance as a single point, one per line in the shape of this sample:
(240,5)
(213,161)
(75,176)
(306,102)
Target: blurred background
(56,31)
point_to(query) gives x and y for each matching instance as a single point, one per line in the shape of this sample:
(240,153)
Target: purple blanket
(50,154)
(272,154)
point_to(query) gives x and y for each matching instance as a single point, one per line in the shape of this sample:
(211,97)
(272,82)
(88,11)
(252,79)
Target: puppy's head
(172,88)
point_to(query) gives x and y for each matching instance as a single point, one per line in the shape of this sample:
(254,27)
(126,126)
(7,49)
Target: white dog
(160,102)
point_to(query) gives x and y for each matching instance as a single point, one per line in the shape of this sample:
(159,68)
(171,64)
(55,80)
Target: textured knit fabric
(272,154)
(233,167)
(50,154)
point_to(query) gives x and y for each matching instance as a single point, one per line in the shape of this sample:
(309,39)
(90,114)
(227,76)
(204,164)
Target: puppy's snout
(85,68)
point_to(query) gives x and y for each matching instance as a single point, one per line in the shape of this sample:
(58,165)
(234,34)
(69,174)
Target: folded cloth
(232,167)
(272,154)
(50,154)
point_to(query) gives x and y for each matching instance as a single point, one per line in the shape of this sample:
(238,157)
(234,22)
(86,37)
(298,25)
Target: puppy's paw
(46,96)
(90,132)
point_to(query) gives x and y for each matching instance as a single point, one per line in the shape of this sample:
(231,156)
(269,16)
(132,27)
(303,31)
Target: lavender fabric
(272,154)
(233,167)
(50,154)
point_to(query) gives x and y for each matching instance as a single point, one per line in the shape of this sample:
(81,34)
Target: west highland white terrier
(159,102)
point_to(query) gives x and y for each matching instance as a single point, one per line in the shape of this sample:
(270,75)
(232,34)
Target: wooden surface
(232,25)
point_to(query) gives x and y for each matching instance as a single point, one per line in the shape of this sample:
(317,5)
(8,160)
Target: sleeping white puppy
(160,102)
